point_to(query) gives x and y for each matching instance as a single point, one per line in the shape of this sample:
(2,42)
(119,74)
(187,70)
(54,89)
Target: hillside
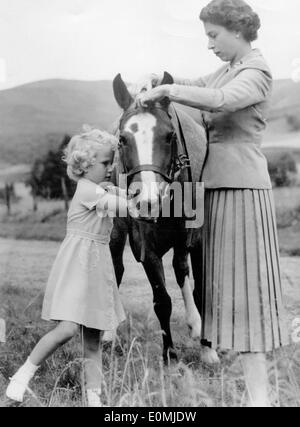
(33,114)
(36,115)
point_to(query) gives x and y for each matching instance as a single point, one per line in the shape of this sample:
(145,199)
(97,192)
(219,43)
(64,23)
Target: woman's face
(223,42)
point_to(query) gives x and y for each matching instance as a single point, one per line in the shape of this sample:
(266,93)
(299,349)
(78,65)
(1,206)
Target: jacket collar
(253,59)
(255,53)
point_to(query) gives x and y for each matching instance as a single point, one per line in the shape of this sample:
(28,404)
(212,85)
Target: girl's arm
(113,201)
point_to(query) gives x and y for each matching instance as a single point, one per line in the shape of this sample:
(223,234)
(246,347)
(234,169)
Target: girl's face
(225,44)
(102,169)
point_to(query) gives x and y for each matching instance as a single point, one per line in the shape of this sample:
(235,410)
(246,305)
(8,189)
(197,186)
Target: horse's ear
(167,79)
(122,95)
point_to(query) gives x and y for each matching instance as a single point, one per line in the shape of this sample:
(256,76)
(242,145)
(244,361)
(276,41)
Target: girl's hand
(153,95)
(106,185)
(116,191)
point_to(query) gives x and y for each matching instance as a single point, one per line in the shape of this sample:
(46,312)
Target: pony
(152,156)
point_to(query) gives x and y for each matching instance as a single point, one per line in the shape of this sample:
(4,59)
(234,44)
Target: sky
(97,39)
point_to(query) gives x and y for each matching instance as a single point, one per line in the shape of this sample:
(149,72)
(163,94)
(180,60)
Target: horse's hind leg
(162,302)
(182,273)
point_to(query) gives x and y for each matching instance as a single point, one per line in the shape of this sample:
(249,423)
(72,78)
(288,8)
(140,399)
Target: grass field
(133,371)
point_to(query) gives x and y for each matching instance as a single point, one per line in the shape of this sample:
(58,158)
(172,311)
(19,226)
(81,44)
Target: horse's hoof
(195,326)
(170,356)
(209,356)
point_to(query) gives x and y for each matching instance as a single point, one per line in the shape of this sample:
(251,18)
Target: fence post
(7,197)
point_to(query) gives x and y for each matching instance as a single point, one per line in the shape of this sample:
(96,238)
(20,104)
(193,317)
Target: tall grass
(133,372)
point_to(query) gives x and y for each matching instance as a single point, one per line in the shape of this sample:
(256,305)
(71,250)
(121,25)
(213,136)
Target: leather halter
(178,162)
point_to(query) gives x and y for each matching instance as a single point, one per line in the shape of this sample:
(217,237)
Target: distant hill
(36,115)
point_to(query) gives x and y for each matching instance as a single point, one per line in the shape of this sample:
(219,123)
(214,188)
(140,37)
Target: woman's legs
(44,348)
(256,377)
(92,364)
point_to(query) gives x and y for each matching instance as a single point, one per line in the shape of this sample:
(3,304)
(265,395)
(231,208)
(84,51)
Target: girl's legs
(44,348)
(52,341)
(256,376)
(92,365)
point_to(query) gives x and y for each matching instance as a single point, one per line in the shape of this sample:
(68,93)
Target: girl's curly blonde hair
(81,152)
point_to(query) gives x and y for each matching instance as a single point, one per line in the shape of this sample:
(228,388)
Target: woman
(241,288)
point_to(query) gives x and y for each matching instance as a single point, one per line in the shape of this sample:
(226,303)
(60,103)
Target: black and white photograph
(149,206)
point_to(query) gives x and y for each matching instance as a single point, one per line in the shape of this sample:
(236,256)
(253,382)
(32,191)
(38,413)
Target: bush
(12,194)
(282,168)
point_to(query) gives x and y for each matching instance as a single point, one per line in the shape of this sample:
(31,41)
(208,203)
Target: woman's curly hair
(81,152)
(234,15)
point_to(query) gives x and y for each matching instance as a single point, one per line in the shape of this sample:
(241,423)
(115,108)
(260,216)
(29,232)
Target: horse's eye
(122,140)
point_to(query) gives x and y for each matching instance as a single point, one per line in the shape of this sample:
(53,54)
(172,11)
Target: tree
(282,168)
(49,177)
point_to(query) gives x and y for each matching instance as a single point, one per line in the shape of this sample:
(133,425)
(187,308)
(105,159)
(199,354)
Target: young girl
(82,290)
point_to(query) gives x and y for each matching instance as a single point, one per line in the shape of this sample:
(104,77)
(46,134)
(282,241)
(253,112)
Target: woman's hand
(156,79)
(153,95)
(144,83)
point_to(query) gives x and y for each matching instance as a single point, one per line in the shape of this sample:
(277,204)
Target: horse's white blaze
(192,315)
(142,127)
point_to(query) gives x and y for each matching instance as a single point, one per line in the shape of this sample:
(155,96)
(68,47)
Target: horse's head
(147,149)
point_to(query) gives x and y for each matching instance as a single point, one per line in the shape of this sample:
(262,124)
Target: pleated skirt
(242,305)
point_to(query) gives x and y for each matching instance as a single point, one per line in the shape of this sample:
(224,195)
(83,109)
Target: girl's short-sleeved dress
(82,286)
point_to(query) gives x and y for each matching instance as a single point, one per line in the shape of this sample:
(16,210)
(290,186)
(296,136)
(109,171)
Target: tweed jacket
(234,102)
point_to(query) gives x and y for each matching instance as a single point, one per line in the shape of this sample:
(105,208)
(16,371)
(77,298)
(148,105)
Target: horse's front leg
(117,245)
(162,302)
(182,273)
